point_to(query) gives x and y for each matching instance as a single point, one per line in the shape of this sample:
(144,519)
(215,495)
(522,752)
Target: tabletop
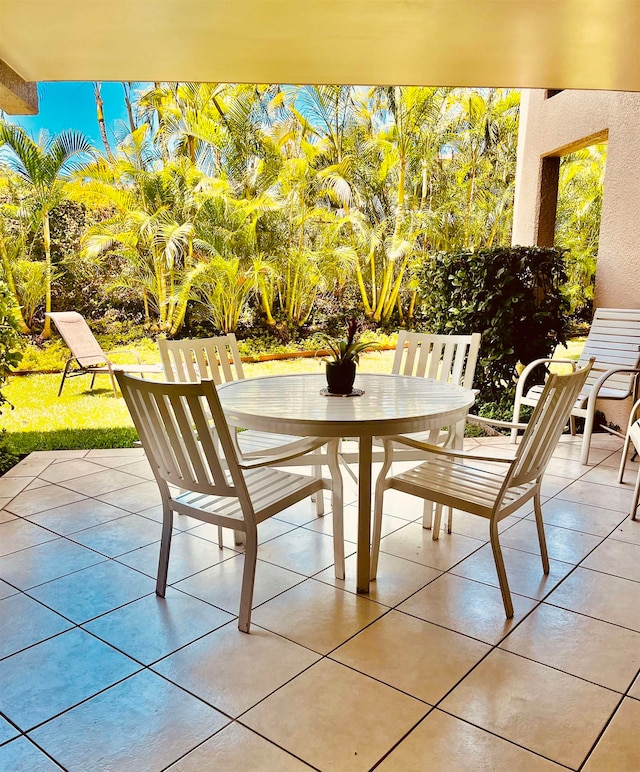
(391,404)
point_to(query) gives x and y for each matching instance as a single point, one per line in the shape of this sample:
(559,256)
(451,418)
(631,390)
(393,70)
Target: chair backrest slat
(189,360)
(448,358)
(174,424)
(546,425)
(78,338)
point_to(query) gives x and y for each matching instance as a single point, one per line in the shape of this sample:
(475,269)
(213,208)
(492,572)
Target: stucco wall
(558,125)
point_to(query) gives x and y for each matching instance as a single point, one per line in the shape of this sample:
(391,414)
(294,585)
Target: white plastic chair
(486,486)
(214,484)
(446,358)
(218,359)
(87,354)
(614,342)
(632,436)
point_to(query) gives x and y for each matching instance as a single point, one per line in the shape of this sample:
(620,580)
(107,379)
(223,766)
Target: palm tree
(580,193)
(43,168)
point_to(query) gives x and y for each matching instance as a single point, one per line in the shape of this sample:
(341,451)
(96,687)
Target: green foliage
(579,212)
(43,357)
(30,278)
(8,456)
(223,289)
(511,295)
(9,338)
(348,349)
(9,358)
(71,439)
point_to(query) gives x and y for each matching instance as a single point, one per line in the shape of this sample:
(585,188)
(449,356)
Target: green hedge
(512,295)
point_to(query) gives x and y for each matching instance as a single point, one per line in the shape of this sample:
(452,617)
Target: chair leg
(376,533)
(541,536)
(114,385)
(318,497)
(623,461)
(64,375)
(220,544)
(588,428)
(93,380)
(515,419)
(427,514)
(165,549)
(449,519)
(502,574)
(636,497)
(437,522)
(337,508)
(248,580)
(572,425)
(377,511)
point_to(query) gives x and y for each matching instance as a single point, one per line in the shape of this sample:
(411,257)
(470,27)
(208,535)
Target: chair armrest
(522,378)
(478,419)
(603,378)
(437,450)
(274,456)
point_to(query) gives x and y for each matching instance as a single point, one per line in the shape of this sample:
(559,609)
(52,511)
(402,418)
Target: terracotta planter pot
(340,377)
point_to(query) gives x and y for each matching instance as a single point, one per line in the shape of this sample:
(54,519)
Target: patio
(425,673)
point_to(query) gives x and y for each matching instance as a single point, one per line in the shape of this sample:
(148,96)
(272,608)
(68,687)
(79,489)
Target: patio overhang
(559,44)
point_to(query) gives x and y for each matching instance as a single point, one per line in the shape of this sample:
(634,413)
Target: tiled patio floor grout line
(601,733)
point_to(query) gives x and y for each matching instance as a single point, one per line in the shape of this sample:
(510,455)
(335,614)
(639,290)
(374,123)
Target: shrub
(9,357)
(512,295)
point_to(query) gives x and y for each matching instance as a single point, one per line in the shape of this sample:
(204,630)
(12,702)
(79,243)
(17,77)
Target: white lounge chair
(614,342)
(87,354)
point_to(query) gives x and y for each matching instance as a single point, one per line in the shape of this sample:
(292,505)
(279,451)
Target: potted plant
(341,369)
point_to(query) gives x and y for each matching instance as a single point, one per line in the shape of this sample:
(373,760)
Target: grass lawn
(86,419)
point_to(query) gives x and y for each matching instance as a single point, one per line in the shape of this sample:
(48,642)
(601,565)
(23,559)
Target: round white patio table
(391,404)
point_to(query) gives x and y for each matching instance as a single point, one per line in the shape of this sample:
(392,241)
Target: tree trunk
(264,301)
(395,292)
(127,100)
(368,311)
(100,112)
(46,332)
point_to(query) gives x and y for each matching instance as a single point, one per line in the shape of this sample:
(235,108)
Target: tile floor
(425,673)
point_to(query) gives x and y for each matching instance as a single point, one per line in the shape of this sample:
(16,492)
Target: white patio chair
(218,359)
(87,353)
(446,358)
(214,485)
(486,486)
(632,436)
(614,342)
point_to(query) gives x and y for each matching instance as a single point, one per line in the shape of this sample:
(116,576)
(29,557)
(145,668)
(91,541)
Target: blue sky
(72,106)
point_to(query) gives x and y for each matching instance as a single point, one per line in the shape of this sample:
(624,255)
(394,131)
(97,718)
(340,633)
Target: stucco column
(554,124)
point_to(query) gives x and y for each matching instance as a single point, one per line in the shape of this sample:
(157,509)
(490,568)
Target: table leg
(364,513)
